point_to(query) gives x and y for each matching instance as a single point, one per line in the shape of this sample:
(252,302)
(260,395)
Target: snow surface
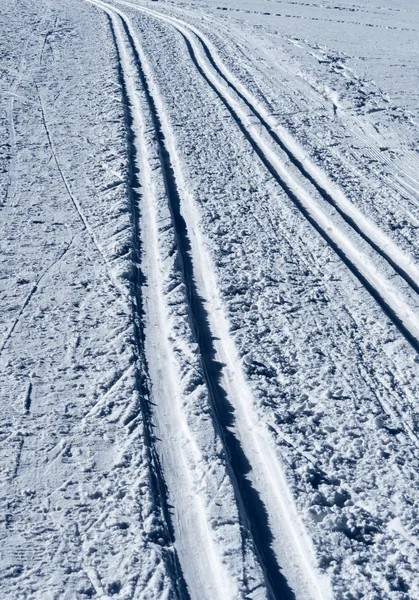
(209,324)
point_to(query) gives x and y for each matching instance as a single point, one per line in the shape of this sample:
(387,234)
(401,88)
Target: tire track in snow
(236,100)
(261,492)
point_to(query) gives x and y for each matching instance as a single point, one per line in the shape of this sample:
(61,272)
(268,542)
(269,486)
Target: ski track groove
(142,376)
(380,297)
(202,333)
(211,369)
(391,302)
(327,195)
(150,166)
(254,513)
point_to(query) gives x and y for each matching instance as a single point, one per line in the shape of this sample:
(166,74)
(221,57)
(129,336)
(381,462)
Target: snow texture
(209,319)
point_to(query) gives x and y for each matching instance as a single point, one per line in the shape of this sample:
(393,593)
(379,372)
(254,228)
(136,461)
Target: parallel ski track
(251,460)
(252,512)
(216,579)
(352,217)
(155,470)
(234,96)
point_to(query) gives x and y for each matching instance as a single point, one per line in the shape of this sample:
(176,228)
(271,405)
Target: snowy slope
(210,287)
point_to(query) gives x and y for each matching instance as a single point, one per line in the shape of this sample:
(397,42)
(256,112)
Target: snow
(209,300)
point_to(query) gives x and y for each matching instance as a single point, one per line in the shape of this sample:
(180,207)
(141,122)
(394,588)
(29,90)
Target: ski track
(202,336)
(379,241)
(238,101)
(367,134)
(195,541)
(237,460)
(262,497)
(296,175)
(143,378)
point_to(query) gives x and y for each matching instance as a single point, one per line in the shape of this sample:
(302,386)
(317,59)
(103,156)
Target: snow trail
(205,397)
(373,235)
(262,497)
(236,99)
(296,175)
(192,488)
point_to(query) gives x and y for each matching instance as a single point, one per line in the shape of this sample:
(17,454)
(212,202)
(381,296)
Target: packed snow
(209,318)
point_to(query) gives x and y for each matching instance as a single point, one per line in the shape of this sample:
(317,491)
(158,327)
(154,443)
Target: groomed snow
(209,318)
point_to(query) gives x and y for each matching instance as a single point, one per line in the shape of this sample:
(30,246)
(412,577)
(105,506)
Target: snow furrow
(393,303)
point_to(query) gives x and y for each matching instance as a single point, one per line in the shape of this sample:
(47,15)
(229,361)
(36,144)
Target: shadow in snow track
(159,487)
(300,166)
(414,342)
(253,514)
